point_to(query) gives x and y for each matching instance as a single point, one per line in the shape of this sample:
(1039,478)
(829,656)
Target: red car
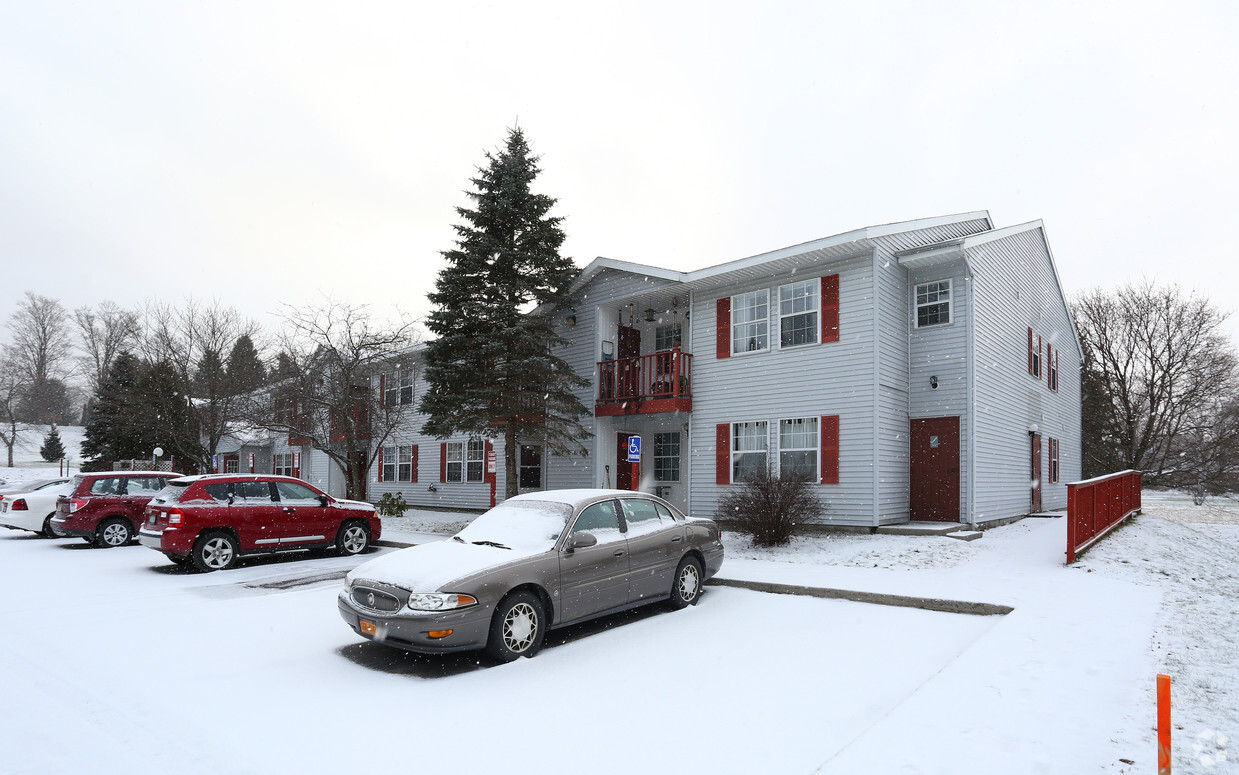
(106,507)
(210,521)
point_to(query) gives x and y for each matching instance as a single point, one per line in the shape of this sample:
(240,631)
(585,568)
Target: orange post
(1163,724)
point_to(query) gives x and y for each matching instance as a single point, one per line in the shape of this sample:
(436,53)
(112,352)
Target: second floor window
(750,321)
(798,304)
(933,303)
(400,387)
(666,337)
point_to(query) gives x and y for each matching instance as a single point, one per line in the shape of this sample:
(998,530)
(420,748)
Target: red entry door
(627,475)
(1035,506)
(935,469)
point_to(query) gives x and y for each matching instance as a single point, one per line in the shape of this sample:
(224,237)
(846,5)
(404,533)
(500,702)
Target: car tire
(517,628)
(48,531)
(113,532)
(352,538)
(686,586)
(181,562)
(214,551)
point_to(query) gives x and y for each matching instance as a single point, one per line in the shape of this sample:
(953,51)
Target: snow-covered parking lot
(116,661)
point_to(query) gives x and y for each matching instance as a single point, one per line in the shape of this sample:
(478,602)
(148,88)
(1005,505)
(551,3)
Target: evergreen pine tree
(493,367)
(245,370)
(109,434)
(162,414)
(53,448)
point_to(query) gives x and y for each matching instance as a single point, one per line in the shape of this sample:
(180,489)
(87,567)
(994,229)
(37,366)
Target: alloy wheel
(217,553)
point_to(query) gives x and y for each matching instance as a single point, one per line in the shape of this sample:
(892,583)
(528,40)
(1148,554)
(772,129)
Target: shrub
(769,507)
(391,505)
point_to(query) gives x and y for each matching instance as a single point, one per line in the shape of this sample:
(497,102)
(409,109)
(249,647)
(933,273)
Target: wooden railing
(1097,506)
(659,376)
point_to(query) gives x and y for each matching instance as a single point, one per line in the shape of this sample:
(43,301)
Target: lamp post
(155,454)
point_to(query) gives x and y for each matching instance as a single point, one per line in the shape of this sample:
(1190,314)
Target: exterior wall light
(933,383)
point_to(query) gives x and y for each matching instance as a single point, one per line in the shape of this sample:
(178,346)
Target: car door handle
(677,539)
(289,510)
(620,553)
(128,503)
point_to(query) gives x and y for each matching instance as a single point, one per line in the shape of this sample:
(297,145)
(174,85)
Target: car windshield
(521,525)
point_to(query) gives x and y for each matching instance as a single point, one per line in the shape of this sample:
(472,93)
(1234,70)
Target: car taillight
(77,503)
(174,516)
(19,505)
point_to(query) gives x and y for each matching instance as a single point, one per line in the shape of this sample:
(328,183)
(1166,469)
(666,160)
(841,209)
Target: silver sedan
(534,563)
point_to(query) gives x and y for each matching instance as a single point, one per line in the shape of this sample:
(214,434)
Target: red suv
(211,520)
(106,507)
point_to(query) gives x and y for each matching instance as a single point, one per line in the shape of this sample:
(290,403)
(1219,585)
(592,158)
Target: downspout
(972,398)
(688,469)
(877,396)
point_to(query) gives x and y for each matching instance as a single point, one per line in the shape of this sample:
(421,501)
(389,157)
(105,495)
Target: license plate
(368,628)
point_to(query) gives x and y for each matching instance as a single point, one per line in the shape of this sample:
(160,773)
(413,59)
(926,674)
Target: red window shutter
(443,461)
(413,460)
(380,464)
(722,328)
(722,453)
(830,308)
(830,449)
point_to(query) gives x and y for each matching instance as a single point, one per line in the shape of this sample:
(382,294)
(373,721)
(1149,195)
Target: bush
(391,505)
(770,507)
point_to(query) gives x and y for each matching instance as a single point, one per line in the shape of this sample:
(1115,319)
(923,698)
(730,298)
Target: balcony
(645,384)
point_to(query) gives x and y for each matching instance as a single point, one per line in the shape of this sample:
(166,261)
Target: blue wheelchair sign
(634,449)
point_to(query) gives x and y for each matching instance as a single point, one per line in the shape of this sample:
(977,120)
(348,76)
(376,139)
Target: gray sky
(261,153)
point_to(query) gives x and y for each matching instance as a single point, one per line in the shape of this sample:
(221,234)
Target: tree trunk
(511,457)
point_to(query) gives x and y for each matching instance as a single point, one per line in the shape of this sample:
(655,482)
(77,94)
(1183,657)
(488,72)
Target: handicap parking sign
(634,449)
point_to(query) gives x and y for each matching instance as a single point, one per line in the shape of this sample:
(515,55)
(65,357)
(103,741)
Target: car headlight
(439,601)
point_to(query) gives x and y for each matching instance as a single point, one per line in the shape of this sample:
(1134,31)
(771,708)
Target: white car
(33,508)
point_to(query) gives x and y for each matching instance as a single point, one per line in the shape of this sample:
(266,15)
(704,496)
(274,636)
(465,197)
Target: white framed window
(750,322)
(933,303)
(798,308)
(387,471)
(466,460)
(282,464)
(399,386)
(748,449)
(404,468)
(231,465)
(530,473)
(666,337)
(666,457)
(798,447)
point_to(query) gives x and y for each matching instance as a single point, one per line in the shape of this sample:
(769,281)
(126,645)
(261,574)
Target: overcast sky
(261,153)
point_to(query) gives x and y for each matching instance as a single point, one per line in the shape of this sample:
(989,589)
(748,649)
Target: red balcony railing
(645,384)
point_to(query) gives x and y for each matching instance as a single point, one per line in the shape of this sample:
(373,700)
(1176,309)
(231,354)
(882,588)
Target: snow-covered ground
(115,661)
(28,465)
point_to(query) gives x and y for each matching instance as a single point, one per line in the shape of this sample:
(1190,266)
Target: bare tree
(40,350)
(103,332)
(1159,364)
(12,386)
(327,394)
(192,341)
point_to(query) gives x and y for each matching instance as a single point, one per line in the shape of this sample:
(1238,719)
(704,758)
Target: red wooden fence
(1097,506)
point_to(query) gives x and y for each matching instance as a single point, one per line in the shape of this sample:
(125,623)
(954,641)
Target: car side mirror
(322,500)
(582,541)
(231,497)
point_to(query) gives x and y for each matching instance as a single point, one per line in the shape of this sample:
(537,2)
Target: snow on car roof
(573,497)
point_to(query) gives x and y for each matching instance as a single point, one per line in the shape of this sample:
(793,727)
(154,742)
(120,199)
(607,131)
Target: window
(1053,461)
(1034,354)
(798,304)
(748,450)
(282,464)
(400,387)
(749,321)
(641,515)
(666,337)
(798,440)
(933,303)
(597,518)
(404,472)
(1051,360)
(466,461)
(231,464)
(666,457)
(289,491)
(144,485)
(252,492)
(530,474)
(387,469)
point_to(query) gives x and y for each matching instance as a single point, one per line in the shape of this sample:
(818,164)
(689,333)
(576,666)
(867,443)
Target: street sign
(215,463)
(634,449)
(490,460)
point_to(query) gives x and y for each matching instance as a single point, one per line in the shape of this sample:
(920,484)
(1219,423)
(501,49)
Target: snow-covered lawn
(115,661)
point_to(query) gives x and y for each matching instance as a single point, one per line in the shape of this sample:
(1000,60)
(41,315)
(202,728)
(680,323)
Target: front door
(1035,474)
(627,475)
(935,469)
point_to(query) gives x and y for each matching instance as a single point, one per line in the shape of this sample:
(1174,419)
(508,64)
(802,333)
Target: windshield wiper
(495,544)
(458,538)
